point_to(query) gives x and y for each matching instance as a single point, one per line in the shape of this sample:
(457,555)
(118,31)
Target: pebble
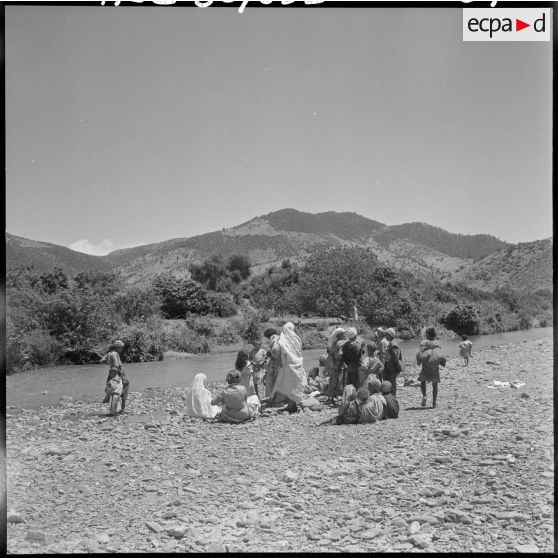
(152,526)
(37,536)
(15,517)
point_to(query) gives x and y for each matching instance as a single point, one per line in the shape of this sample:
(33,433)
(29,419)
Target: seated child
(392,405)
(371,365)
(376,399)
(348,410)
(366,408)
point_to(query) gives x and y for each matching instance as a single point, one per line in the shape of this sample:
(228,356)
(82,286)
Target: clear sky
(131,125)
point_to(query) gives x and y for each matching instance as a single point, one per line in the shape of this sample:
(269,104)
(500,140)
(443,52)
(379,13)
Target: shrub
(251,328)
(227,335)
(40,348)
(202,325)
(463,319)
(322,325)
(312,339)
(142,342)
(187,340)
(221,304)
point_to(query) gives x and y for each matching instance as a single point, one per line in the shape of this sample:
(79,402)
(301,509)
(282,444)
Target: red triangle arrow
(519,25)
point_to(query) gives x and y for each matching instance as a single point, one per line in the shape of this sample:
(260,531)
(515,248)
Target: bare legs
(434,394)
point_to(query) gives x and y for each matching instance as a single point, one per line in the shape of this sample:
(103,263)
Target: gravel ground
(474,474)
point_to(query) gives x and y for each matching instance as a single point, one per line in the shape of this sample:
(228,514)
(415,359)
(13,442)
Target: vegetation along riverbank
(53,317)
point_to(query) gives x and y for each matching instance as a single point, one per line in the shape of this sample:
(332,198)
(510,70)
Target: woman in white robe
(198,399)
(291,378)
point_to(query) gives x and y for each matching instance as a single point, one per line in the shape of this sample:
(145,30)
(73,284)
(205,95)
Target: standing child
(393,366)
(431,358)
(465,348)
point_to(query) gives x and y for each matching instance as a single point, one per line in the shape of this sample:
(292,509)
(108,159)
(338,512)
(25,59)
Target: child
(371,365)
(431,358)
(392,405)
(348,411)
(113,390)
(377,399)
(465,348)
(392,366)
(367,412)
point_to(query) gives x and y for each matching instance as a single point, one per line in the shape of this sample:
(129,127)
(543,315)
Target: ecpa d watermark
(502,24)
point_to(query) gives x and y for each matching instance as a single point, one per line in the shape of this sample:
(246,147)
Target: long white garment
(291,379)
(198,399)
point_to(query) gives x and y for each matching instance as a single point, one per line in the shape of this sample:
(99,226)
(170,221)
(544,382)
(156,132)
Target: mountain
(44,256)
(527,265)
(268,239)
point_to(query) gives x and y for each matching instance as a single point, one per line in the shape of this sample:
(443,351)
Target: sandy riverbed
(474,474)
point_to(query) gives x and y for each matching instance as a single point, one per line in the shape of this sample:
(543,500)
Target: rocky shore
(474,474)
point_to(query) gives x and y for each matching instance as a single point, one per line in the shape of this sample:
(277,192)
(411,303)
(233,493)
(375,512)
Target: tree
(210,271)
(240,264)
(463,319)
(180,296)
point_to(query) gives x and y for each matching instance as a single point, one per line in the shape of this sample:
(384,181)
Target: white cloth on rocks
(291,379)
(198,399)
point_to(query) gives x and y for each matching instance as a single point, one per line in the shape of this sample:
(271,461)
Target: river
(86,382)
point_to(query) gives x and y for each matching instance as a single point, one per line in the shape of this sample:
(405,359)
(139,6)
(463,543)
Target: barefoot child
(431,358)
(371,366)
(465,348)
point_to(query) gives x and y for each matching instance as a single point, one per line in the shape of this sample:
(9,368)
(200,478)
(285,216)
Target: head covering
(362,394)
(118,343)
(391,332)
(290,342)
(374,386)
(270,331)
(322,359)
(233,377)
(352,333)
(348,393)
(335,335)
(197,402)
(385,387)
(259,357)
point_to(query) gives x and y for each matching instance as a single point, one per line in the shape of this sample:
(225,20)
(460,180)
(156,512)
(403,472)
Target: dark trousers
(353,374)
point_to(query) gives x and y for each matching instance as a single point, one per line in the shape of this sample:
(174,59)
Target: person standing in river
(431,358)
(115,368)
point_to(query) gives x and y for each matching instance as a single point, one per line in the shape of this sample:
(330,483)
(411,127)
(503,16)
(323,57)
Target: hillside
(419,248)
(44,256)
(527,265)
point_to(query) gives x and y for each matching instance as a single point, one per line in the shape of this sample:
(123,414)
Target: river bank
(474,474)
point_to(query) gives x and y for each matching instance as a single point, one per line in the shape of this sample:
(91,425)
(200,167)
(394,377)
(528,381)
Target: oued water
(86,382)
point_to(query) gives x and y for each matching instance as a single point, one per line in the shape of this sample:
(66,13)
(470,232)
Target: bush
(142,342)
(34,348)
(187,340)
(463,319)
(202,325)
(221,304)
(312,339)
(227,335)
(251,328)
(322,325)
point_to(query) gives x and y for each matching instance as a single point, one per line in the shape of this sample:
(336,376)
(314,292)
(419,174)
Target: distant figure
(351,354)
(393,366)
(198,399)
(237,407)
(431,358)
(273,360)
(244,366)
(322,379)
(382,343)
(465,349)
(377,399)
(115,369)
(371,366)
(392,405)
(291,378)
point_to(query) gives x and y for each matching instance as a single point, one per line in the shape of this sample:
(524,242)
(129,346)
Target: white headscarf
(334,337)
(352,333)
(290,343)
(198,399)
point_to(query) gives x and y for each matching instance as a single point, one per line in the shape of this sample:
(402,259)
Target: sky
(133,125)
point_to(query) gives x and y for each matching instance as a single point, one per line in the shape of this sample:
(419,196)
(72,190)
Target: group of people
(360,377)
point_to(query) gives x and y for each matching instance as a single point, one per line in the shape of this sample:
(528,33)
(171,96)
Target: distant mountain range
(482,261)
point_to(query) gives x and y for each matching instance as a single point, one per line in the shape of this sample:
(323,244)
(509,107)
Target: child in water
(113,390)
(465,348)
